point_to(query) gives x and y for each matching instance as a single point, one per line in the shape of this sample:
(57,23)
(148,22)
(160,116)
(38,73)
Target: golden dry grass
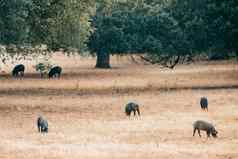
(85,110)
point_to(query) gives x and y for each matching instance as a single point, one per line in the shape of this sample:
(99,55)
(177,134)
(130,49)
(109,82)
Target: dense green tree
(210,25)
(13,25)
(61,23)
(57,23)
(166,32)
(108,36)
(160,31)
(135,28)
(222,22)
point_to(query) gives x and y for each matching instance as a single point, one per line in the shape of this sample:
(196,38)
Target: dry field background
(85,111)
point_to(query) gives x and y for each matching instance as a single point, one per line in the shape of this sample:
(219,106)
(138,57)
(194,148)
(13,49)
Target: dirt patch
(87,120)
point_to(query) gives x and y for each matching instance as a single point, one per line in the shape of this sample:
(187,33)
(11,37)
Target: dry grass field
(85,111)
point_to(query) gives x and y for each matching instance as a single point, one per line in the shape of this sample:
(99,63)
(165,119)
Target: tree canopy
(56,23)
(160,31)
(166,31)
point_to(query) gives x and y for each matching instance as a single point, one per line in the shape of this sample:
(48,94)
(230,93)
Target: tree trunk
(103,59)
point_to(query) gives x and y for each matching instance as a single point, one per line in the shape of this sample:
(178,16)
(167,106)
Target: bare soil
(85,111)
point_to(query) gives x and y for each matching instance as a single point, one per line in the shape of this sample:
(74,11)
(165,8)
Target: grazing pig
(55,72)
(204,103)
(42,124)
(132,107)
(18,70)
(205,126)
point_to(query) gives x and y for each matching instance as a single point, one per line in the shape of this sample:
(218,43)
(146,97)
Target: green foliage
(166,31)
(210,25)
(139,29)
(43,67)
(56,23)
(13,25)
(160,31)
(61,23)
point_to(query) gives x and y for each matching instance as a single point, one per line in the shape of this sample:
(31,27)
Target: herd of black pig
(42,124)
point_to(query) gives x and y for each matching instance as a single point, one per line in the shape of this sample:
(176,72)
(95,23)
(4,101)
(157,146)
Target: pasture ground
(85,111)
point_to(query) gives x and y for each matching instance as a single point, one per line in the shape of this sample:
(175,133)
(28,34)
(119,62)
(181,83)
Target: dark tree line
(166,32)
(159,31)
(56,23)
